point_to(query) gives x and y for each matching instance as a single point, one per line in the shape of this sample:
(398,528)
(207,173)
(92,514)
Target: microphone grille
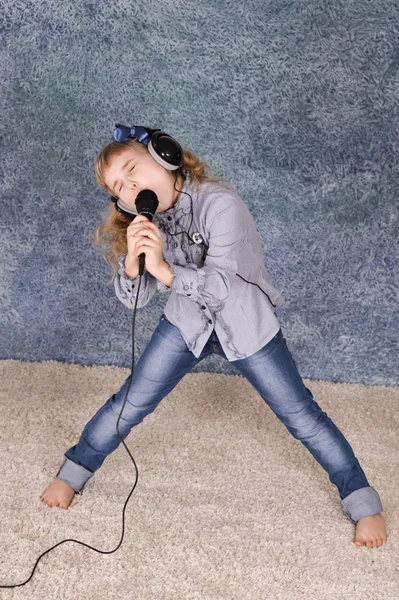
(147,203)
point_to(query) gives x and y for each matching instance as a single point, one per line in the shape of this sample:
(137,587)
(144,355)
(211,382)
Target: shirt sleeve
(211,284)
(126,288)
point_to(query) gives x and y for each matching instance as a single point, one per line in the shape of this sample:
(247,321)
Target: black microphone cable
(141,263)
(131,456)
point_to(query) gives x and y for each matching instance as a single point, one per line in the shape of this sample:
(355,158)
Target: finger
(148,248)
(139,225)
(138,221)
(139,232)
(146,242)
(147,233)
(145,229)
(151,225)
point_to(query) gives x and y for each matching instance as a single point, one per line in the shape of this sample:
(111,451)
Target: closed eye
(129,171)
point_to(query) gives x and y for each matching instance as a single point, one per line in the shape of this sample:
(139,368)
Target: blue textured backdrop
(295,102)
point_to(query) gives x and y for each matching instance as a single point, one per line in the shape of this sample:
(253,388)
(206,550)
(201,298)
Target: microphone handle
(147,213)
(141,263)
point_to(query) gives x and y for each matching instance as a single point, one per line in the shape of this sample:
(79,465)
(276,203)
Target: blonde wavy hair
(110,235)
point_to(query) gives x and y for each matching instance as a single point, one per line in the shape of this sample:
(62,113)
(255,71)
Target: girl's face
(135,170)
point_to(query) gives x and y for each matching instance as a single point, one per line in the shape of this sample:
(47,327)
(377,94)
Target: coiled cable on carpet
(131,456)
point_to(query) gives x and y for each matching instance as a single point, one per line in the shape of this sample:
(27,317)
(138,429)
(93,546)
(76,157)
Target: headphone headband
(164,149)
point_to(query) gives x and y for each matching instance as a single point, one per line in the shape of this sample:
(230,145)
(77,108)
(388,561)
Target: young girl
(204,250)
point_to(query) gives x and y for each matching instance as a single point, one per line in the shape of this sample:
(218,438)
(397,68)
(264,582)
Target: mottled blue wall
(296,102)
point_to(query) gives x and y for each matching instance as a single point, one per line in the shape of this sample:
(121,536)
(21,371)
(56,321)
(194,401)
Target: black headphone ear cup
(166,151)
(129,213)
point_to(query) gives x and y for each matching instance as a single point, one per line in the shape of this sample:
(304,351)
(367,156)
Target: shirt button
(169,218)
(209,321)
(203,306)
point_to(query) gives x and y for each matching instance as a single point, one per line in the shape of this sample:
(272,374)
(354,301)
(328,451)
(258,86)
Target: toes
(377,543)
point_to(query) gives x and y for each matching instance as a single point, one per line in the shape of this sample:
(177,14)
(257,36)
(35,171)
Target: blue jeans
(273,373)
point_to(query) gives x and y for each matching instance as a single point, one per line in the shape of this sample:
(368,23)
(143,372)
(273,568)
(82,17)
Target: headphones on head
(164,149)
(168,153)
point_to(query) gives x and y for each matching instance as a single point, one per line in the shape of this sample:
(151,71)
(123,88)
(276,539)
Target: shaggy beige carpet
(228,504)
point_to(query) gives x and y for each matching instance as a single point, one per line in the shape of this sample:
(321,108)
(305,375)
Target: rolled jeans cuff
(73,474)
(364,502)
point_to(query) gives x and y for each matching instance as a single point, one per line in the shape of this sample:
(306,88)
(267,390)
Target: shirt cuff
(126,283)
(161,287)
(121,268)
(188,281)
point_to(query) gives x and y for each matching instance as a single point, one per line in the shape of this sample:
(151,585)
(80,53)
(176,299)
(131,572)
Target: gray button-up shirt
(217,283)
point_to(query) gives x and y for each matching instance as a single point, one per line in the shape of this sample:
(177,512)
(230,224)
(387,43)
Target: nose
(130,179)
(131,184)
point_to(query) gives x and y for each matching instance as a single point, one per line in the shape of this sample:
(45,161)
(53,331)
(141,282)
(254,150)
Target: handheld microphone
(146,204)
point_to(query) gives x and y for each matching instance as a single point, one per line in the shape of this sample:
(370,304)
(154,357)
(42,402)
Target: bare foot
(59,494)
(371,531)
